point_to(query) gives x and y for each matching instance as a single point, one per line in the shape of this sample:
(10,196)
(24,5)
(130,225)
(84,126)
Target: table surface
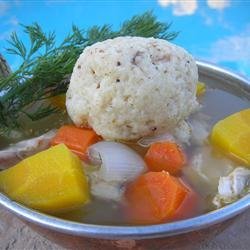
(14,234)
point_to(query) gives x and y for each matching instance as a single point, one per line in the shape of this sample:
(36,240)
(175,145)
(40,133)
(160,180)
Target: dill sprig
(46,67)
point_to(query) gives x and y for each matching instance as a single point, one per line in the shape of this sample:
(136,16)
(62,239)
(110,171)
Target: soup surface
(216,104)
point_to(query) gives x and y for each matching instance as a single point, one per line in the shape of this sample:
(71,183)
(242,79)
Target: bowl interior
(216,78)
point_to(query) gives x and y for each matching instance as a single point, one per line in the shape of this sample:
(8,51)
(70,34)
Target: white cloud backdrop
(218,4)
(189,7)
(232,48)
(180,7)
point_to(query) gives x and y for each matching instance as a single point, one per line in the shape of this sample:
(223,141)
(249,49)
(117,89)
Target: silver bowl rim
(136,232)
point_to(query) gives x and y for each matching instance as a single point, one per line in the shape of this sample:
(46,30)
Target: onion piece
(147,141)
(118,162)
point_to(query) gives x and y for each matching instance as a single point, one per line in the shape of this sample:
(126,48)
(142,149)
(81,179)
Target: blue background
(215,31)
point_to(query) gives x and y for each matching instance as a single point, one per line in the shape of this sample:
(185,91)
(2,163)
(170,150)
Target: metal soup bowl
(215,221)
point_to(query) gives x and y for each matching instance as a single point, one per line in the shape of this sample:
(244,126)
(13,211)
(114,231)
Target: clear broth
(216,103)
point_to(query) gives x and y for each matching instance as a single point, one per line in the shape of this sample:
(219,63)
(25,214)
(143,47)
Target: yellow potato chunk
(200,88)
(51,181)
(232,135)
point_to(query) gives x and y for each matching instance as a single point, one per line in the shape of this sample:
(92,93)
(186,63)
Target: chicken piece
(204,170)
(103,189)
(106,190)
(16,152)
(183,132)
(195,130)
(232,187)
(210,167)
(200,128)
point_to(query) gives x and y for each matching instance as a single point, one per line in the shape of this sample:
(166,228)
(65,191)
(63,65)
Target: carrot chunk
(165,156)
(154,197)
(191,205)
(76,139)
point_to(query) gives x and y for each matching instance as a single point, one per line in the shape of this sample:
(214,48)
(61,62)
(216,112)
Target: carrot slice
(76,139)
(154,197)
(190,206)
(165,156)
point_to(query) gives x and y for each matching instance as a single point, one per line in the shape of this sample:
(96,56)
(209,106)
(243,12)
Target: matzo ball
(130,87)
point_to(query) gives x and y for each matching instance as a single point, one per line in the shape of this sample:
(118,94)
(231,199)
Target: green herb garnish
(46,67)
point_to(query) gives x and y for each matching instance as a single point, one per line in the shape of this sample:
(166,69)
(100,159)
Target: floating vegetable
(118,162)
(51,181)
(232,135)
(190,206)
(76,139)
(149,140)
(165,156)
(155,197)
(200,88)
